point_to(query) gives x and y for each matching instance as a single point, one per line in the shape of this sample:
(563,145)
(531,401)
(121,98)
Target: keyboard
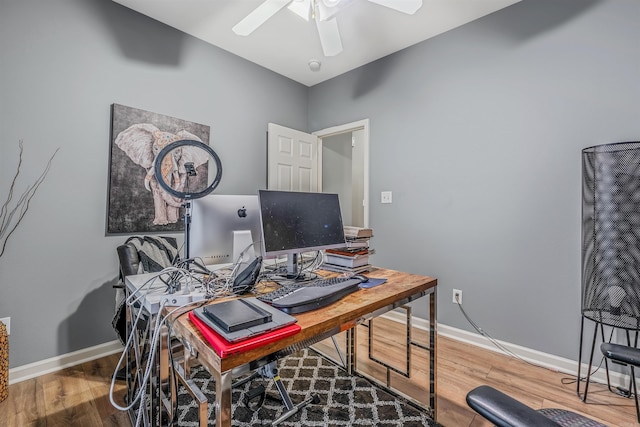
(301,297)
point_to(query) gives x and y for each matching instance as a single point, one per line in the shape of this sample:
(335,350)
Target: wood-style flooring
(79,396)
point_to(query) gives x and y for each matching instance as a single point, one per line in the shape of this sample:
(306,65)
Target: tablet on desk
(278,320)
(225,349)
(236,314)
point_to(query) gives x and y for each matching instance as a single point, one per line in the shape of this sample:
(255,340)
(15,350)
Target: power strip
(153,298)
(153,302)
(178,300)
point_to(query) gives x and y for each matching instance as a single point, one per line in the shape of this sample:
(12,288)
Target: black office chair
(141,254)
(505,411)
(129,262)
(626,356)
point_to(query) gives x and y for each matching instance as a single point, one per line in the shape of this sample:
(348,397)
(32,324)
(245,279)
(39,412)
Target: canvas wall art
(136,203)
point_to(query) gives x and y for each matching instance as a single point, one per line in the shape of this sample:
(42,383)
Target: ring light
(194,146)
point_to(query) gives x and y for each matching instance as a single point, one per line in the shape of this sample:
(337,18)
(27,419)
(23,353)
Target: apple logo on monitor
(242,212)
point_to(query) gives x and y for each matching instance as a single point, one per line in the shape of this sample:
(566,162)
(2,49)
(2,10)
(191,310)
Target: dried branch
(10,218)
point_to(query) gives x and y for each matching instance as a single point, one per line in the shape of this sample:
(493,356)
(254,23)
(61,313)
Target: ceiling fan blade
(405,6)
(329,36)
(302,8)
(259,16)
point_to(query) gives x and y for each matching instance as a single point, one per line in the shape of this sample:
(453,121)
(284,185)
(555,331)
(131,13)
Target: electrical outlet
(7,323)
(386,197)
(457,296)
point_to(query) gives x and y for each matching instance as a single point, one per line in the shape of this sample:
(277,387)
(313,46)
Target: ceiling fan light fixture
(327,9)
(321,11)
(331,3)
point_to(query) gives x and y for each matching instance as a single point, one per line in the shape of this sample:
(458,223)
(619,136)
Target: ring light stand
(190,171)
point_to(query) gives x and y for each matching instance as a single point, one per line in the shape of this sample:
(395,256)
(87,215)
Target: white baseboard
(549,361)
(53,364)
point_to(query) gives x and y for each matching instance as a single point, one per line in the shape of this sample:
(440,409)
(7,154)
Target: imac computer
(222,226)
(296,222)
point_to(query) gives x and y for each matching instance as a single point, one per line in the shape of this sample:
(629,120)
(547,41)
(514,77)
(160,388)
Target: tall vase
(4,362)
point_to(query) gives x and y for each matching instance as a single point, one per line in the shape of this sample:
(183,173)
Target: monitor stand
(292,265)
(294,271)
(243,241)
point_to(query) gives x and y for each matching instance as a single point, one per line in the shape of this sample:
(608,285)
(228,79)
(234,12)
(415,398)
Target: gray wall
(64,62)
(478,133)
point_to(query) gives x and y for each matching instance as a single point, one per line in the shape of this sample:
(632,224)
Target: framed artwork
(136,202)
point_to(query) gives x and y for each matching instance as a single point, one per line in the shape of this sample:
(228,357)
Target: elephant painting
(142,143)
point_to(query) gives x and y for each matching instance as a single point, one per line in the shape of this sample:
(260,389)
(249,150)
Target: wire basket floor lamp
(610,245)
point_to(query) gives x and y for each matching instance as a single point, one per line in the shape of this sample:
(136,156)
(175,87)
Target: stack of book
(357,237)
(354,257)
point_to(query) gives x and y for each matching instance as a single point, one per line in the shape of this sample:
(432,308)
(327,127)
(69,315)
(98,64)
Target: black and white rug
(344,400)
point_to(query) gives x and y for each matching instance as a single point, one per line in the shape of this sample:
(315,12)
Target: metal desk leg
(223,398)
(193,390)
(351,356)
(433,353)
(163,385)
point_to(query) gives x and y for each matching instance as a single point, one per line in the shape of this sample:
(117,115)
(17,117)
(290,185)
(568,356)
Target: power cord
(140,396)
(216,285)
(309,264)
(509,352)
(150,286)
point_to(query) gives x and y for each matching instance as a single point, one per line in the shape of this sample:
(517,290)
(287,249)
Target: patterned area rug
(344,400)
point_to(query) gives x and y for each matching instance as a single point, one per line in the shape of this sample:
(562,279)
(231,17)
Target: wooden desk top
(341,315)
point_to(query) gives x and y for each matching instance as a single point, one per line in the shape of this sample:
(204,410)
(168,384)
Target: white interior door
(292,159)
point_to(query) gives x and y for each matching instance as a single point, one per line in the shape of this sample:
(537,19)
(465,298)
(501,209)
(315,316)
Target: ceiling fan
(322,12)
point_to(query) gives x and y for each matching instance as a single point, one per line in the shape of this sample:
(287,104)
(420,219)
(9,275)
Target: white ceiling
(286,43)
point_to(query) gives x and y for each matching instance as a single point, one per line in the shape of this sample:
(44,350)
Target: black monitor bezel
(301,196)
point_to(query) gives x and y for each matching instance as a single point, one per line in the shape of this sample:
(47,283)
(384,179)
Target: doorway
(343,153)
(340,165)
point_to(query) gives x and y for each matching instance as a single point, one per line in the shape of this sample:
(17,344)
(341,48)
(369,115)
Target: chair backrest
(505,411)
(140,254)
(146,254)
(129,260)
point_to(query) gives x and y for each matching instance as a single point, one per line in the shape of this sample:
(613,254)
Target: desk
(400,289)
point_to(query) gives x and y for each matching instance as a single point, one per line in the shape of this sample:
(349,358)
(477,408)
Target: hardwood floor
(76,396)
(79,396)
(462,367)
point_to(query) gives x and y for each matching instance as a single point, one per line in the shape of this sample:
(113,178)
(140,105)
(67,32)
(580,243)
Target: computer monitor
(222,226)
(296,222)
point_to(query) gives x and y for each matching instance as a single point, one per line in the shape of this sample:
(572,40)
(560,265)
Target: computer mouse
(361,277)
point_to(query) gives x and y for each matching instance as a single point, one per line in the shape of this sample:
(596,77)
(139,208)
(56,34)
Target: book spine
(348,261)
(357,232)
(357,244)
(341,269)
(348,252)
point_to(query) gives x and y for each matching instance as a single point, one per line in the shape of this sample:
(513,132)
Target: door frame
(347,128)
